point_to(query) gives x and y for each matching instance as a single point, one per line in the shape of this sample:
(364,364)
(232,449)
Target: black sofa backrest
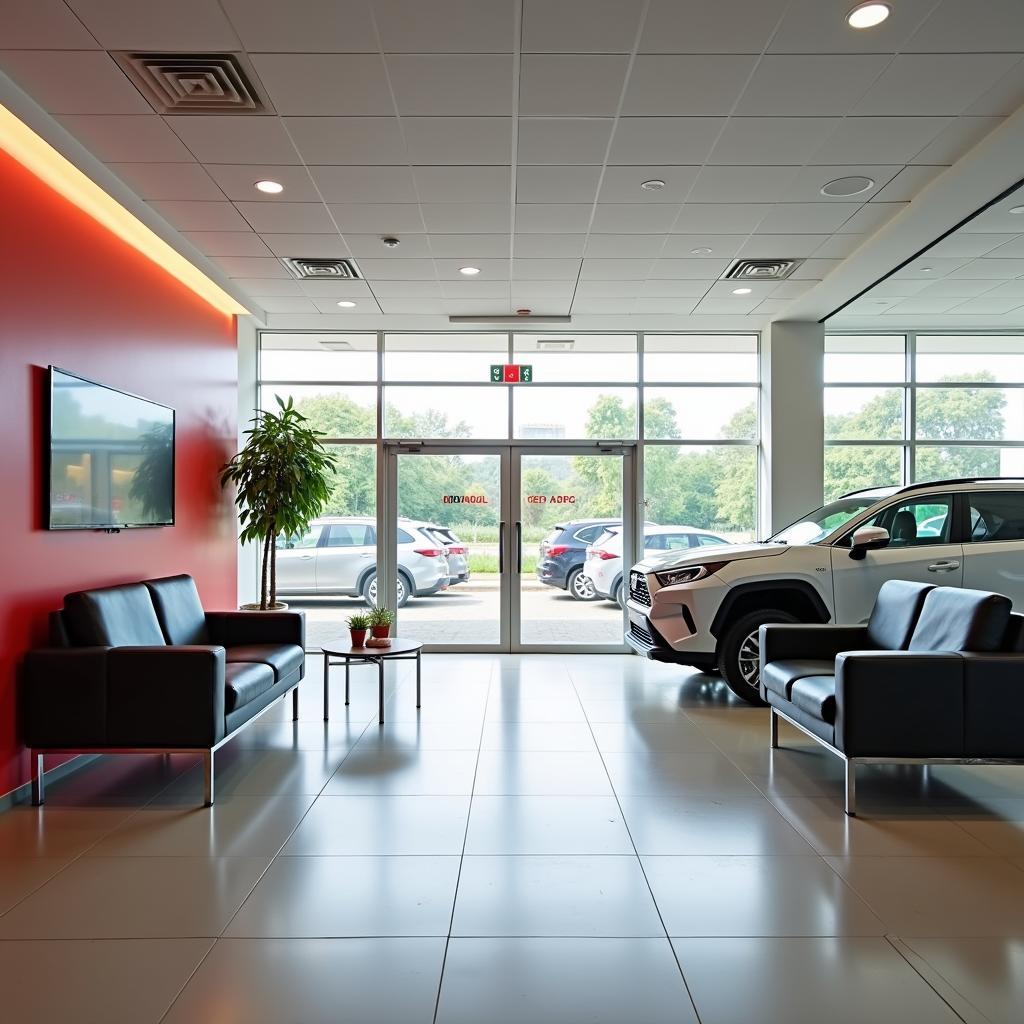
(179,610)
(121,616)
(1014,640)
(895,613)
(962,620)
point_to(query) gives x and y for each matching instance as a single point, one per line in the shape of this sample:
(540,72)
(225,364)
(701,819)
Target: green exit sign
(511,373)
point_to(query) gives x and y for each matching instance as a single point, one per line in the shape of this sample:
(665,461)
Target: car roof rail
(960,480)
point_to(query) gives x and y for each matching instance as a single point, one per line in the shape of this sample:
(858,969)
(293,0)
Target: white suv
(704,609)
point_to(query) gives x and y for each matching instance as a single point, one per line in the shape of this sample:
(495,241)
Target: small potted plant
(381,621)
(357,626)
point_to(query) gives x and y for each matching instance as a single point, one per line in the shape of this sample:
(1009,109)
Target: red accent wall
(74,295)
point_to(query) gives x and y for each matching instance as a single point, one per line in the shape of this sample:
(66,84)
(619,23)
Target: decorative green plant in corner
(282,480)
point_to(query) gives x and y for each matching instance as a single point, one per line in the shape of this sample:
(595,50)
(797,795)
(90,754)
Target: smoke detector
(761,270)
(308,269)
(390,242)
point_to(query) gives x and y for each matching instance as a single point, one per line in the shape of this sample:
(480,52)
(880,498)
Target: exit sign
(511,373)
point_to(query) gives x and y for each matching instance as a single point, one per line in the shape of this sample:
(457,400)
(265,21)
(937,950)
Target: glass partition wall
(504,481)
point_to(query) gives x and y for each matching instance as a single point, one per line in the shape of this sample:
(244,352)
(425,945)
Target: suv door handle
(947,566)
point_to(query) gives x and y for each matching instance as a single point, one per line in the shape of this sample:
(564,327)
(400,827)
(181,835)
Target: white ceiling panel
(1006,288)
(808,183)
(631,218)
(377,218)
(920,304)
(956,26)
(927,268)
(613,289)
(309,218)
(168,181)
(962,134)
(488,184)
(551,184)
(303,26)
(871,216)
(683,246)
(445,26)
(418,306)
(467,218)
(194,216)
(726,26)
(720,218)
(839,246)
(954,287)
(238,182)
(741,184)
(550,246)
(989,269)
(560,140)
(283,304)
(670,288)
(989,305)
(43,25)
(810,84)
(879,140)
(603,306)
(615,269)
(807,218)
(260,288)
(580,26)
(1013,249)
(695,84)
(545,289)
(772,140)
(458,140)
(819,26)
(1004,97)
(335,289)
(362,308)
(998,219)
(674,304)
(154,25)
(727,289)
(626,246)
(814,269)
(127,138)
(347,140)
(587,85)
(74,82)
(720,306)
(228,243)
(622,184)
(407,289)
(478,307)
(689,269)
(496,289)
(253,266)
(668,140)
(397,270)
(412,246)
(541,219)
(907,184)
(791,289)
(325,83)
(491,270)
(451,84)
(971,244)
(323,247)
(357,184)
(768,246)
(462,246)
(545,270)
(897,287)
(235,139)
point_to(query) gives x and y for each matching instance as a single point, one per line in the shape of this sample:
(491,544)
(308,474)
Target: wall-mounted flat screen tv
(111,457)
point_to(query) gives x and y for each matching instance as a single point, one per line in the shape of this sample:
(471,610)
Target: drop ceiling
(514,135)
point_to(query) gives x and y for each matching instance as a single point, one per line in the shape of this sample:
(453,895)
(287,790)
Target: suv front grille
(641,634)
(638,589)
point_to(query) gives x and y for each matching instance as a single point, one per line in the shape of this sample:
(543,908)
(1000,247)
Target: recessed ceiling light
(702,251)
(868,15)
(270,187)
(851,186)
(654,185)
(469,271)
(926,270)
(346,304)
(1017,209)
(742,291)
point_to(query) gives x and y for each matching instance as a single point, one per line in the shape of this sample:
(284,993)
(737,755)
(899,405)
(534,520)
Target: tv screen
(111,457)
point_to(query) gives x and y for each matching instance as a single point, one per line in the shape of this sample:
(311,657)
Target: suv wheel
(370,590)
(581,587)
(740,649)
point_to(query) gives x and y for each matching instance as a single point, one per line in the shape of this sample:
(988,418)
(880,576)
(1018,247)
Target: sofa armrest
(900,704)
(232,628)
(993,704)
(784,641)
(64,697)
(165,696)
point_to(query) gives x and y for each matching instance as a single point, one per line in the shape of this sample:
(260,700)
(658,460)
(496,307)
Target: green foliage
(153,480)
(380,616)
(282,482)
(359,621)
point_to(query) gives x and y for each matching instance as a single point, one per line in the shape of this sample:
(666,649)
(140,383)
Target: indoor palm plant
(282,480)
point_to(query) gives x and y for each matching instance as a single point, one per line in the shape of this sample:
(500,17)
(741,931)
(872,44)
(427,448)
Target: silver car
(456,552)
(338,555)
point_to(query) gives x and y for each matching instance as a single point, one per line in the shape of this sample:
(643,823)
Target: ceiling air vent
(320,270)
(195,83)
(555,344)
(761,270)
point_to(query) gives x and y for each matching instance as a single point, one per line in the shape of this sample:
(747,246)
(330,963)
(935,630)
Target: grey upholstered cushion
(113,617)
(282,658)
(895,613)
(779,676)
(179,609)
(245,681)
(961,620)
(817,696)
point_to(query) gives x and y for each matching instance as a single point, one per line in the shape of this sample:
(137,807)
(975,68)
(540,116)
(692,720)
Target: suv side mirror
(868,538)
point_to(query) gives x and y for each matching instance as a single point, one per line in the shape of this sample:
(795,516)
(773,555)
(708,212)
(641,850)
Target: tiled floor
(552,840)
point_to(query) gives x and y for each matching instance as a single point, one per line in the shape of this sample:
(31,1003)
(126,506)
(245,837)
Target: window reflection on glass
(323,357)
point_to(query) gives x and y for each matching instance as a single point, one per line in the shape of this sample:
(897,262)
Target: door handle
(501,548)
(519,547)
(305,558)
(947,566)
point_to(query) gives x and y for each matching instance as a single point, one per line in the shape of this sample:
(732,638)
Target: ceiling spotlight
(654,185)
(1017,209)
(390,242)
(702,251)
(742,291)
(852,186)
(469,271)
(347,304)
(272,188)
(925,270)
(868,15)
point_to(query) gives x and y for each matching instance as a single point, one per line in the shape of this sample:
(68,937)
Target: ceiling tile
(347,140)
(386,184)
(758,290)
(613,289)
(460,246)
(772,307)
(988,304)
(548,289)
(1012,249)
(414,305)
(720,306)
(445,26)
(458,140)
(369,305)
(194,216)
(127,138)
(1011,288)
(315,246)
(927,268)
(407,289)
(451,84)
(615,269)
(310,218)
(151,25)
(463,289)
(579,26)
(955,27)
(726,26)
(238,180)
(696,84)
(791,289)
(669,288)
(235,139)
(807,218)
(545,270)
(632,218)
(955,140)
(325,83)
(467,218)
(259,287)
(412,246)
(664,140)
(1004,97)
(563,140)
(168,181)
(934,83)
(542,219)
(682,246)
(546,304)
(303,26)
(74,82)
(810,26)
(879,140)
(989,268)
(812,84)
(871,216)
(228,243)
(971,244)
(481,307)
(255,266)
(907,184)
(541,183)
(769,246)
(42,25)
(814,269)
(335,289)
(377,218)
(448,269)
(397,270)
(489,184)
(676,304)
(898,287)
(603,306)
(283,304)
(622,184)
(553,246)
(628,246)
(581,85)
(771,140)
(920,304)
(720,218)
(741,184)
(839,246)
(953,287)
(998,219)
(809,181)
(690,269)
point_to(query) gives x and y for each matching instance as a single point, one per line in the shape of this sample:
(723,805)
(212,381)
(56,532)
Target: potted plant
(282,479)
(357,626)
(381,621)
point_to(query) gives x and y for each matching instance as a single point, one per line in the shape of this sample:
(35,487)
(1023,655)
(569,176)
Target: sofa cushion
(779,676)
(284,659)
(896,611)
(817,696)
(245,681)
(121,616)
(961,620)
(179,609)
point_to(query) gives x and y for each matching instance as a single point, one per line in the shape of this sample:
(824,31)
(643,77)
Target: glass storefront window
(440,412)
(681,358)
(728,413)
(443,357)
(573,414)
(992,358)
(577,358)
(863,414)
(318,357)
(338,412)
(856,467)
(864,358)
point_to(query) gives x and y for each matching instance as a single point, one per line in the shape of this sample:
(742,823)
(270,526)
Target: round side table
(345,654)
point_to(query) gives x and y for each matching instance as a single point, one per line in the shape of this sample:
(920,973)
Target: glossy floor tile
(401,771)
(541,773)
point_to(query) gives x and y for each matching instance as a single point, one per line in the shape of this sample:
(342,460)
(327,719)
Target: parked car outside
(338,555)
(706,608)
(455,551)
(603,566)
(563,552)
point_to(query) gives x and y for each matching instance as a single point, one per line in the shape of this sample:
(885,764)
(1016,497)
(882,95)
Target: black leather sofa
(142,667)
(935,676)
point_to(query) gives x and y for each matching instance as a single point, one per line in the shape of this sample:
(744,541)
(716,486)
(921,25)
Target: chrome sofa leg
(851,788)
(208,778)
(295,704)
(774,719)
(38,782)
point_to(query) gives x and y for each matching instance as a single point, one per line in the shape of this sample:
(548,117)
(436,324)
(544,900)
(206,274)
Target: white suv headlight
(688,574)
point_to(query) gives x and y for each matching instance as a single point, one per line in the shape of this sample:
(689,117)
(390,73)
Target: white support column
(792,422)
(248,362)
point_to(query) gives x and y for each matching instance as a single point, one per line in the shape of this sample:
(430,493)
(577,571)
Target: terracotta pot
(380,631)
(358,637)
